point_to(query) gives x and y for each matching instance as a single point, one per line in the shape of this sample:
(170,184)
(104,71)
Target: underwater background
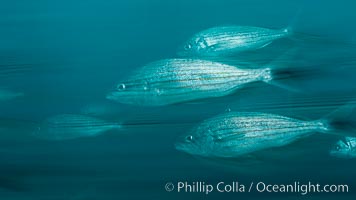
(64,56)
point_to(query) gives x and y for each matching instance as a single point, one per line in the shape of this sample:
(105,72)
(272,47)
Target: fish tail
(289,30)
(277,78)
(280,74)
(342,121)
(266,75)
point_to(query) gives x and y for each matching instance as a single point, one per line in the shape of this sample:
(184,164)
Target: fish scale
(239,133)
(71,126)
(229,39)
(178,80)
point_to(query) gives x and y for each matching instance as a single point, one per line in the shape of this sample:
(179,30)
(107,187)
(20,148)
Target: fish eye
(337,147)
(121,87)
(188,46)
(189,138)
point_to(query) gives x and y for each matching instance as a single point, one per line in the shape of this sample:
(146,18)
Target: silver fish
(71,126)
(344,148)
(239,133)
(226,39)
(173,81)
(6,95)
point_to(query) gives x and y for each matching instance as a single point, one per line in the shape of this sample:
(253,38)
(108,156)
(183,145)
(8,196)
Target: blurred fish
(227,39)
(236,134)
(173,81)
(6,95)
(71,126)
(344,148)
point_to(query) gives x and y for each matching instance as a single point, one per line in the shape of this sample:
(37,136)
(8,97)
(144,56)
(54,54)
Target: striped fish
(239,133)
(173,81)
(227,39)
(345,148)
(71,126)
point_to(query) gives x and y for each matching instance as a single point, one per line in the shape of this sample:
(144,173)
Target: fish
(6,95)
(237,134)
(345,148)
(72,126)
(222,40)
(172,81)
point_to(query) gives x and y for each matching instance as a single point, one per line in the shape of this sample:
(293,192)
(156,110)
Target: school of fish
(194,75)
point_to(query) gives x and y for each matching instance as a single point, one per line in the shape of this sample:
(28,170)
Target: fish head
(197,142)
(341,149)
(132,92)
(194,46)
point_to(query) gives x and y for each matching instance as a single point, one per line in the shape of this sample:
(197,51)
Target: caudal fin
(284,72)
(342,121)
(289,30)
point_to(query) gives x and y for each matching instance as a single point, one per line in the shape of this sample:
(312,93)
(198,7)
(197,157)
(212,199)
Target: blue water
(67,55)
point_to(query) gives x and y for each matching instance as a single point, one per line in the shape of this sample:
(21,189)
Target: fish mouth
(180,147)
(112,96)
(337,149)
(109,96)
